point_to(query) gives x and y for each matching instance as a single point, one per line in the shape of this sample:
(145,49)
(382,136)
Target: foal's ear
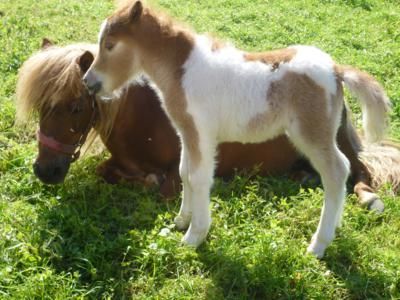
(136,11)
(85,61)
(46,43)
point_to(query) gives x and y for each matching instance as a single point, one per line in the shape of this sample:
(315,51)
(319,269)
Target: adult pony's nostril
(57,171)
(36,169)
(50,173)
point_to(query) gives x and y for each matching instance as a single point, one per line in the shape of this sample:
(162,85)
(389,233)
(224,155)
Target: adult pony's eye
(76,107)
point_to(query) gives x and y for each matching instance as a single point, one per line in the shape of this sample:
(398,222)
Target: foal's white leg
(334,168)
(182,220)
(200,182)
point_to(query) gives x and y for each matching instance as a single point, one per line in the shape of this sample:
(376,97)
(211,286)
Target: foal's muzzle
(91,83)
(93,89)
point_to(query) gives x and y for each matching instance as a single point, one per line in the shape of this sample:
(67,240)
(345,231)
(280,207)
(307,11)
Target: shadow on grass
(292,275)
(237,279)
(88,231)
(93,226)
(346,260)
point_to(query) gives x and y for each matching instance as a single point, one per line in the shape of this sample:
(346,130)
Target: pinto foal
(215,93)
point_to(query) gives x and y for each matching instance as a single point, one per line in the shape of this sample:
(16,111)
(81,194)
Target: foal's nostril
(94,88)
(91,83)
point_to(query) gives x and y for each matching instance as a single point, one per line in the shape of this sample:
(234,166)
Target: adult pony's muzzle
(92,84)
(52,172)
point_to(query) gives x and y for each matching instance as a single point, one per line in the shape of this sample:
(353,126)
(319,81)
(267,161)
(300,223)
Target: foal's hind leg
(333,167)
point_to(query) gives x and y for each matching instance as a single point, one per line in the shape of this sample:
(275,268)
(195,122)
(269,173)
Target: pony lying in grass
(215,93)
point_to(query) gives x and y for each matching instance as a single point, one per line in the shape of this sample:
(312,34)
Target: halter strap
(75,149)
(53,144)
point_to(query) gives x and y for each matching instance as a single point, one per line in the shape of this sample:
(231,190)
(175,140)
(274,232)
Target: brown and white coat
(222,94)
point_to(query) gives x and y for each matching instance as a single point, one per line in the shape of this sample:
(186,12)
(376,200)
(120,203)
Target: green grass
(85,239)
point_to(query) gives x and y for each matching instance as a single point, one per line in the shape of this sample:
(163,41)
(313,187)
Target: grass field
(86,239)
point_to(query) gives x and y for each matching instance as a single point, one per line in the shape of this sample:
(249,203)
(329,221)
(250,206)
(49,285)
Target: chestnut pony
(215,93)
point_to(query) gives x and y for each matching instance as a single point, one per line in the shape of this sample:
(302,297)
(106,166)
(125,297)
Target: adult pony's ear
(46,43)
(85,61)
(136,11)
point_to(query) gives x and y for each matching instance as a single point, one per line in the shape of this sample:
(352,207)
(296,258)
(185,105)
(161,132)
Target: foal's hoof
(182,222)
(317,249)
(194,239)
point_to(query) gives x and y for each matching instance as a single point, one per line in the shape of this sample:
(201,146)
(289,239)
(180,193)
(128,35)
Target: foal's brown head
(50,84)
(119,57)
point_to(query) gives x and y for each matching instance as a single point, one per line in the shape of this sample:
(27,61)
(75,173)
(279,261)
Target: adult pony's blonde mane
(52,75)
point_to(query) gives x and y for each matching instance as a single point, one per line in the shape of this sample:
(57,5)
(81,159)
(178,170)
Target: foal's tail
(375,105)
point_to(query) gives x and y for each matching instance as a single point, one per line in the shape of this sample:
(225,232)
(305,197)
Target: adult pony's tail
(383,162)
(375,105)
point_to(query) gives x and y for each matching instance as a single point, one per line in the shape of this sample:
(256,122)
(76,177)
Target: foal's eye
(109,46)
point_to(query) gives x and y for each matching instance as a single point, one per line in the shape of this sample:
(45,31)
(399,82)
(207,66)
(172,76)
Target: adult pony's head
(50,87)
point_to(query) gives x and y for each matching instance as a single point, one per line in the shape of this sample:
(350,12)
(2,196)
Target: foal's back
(234,89)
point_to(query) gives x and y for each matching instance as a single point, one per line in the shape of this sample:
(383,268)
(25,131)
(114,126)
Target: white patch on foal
(317,65)
(226,91)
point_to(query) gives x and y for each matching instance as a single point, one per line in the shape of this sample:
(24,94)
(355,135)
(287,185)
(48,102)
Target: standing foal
(215,93)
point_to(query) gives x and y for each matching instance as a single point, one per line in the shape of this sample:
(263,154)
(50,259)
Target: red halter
(73,150)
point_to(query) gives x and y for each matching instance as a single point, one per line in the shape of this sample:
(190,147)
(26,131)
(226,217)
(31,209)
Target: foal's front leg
(182,220)
(197,191)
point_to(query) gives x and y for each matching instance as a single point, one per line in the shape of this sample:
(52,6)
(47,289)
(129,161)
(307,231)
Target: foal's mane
(52,75)
(151,11)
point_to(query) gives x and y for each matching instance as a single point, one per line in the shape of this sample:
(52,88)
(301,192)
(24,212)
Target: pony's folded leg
(171,186)
(368,198)
(108,171)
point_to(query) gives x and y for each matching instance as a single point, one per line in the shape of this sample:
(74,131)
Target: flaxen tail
(375,105)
